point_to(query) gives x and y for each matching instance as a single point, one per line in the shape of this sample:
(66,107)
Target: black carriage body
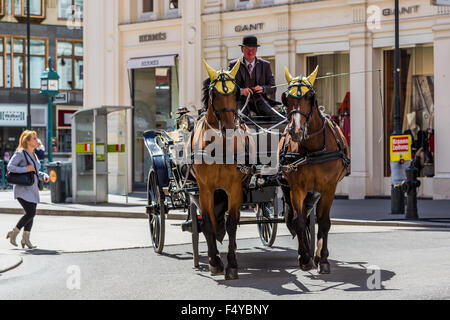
(158,158)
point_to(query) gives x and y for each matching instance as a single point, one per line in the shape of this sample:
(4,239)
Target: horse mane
(205,93)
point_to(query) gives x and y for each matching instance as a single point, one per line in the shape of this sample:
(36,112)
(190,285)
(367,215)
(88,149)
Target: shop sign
(249,27)
(13,116)
(401,148)
(153,37)
(151,62)
(403,10)
(62,97)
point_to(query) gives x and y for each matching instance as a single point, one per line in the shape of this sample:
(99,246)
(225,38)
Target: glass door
(154,90)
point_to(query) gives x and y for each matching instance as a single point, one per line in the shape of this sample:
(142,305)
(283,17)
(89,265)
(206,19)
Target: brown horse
(220,184)
(319,160)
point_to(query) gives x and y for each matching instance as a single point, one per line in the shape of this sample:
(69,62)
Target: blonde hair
(24,138)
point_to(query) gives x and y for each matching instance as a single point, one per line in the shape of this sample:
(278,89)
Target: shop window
(241,4)
(13,61)
(171,7)
(70,8)
(333,92)
(37,9)
(70,64)
(416,104)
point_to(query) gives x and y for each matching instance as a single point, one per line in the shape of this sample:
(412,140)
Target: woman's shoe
(26,240)
(12,235)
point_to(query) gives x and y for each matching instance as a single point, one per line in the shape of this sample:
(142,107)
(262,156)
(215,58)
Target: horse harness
(223,78)
(290,162)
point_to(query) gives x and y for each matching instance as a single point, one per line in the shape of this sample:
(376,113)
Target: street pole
(50,129)
(28,68)
(397,195)
(397,115)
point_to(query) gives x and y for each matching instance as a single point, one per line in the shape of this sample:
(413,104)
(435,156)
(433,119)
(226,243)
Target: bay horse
(314,157)
(220,184)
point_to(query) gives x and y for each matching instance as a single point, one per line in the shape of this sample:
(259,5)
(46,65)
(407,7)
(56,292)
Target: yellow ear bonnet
(223,81)
(305,84)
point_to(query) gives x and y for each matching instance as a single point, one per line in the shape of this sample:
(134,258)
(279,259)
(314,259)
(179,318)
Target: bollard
(410,186)
(397,200)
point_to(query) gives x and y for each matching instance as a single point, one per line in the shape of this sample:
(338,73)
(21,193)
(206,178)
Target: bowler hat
(250,41)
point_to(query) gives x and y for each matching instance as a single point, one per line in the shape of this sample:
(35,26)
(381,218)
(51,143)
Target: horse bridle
(223,78)
(308,116)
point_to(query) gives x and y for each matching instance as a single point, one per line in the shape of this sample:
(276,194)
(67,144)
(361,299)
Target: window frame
(143,16)
(25,62)
(73,58)
(23,15)
(170,12)
(241,4)
(2,8)
(65,19)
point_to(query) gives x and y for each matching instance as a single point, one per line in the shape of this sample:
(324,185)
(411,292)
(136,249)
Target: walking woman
(24,160)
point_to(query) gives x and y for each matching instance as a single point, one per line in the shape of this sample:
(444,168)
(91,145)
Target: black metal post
(410,187)
(397,194)
(397,114)
(28,68)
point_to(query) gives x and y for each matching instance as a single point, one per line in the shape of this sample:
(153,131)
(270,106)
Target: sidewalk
(359,212)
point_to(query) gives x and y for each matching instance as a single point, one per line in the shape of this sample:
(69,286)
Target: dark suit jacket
(263,74)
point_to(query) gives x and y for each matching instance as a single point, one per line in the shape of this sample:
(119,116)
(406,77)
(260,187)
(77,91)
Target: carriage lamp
(50,88)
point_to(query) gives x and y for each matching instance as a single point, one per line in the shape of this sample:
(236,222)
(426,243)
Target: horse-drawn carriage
(212,194)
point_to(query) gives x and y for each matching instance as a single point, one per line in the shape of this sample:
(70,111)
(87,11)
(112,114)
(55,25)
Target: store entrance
(155,99)
(416,104)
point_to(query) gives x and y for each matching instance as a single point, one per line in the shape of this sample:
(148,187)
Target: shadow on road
(42,252)
(276,271)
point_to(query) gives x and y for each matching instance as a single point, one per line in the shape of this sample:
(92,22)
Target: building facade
(56,32)
(150,56)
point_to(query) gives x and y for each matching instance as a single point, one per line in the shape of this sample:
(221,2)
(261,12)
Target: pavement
(69,228)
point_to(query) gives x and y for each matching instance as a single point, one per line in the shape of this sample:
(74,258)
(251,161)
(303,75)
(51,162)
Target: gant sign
(249,27)
(402,10)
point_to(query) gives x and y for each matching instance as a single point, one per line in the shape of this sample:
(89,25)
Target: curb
(182,216)
(419,224)
(14,262)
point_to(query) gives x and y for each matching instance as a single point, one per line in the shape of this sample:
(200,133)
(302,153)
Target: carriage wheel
(267,231)
(310,240)
(157,214)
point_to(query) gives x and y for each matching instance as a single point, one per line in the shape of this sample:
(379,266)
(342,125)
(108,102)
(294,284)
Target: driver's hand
(246,91)
(258,89)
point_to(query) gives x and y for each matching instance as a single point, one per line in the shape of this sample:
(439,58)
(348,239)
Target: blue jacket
(18,164)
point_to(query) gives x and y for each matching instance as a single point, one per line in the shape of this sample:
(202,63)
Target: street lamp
(50,88)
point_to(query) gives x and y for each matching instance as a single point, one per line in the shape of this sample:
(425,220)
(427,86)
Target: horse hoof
(324,268)
(306,267)
(216,271)
(316,260)
(231,274)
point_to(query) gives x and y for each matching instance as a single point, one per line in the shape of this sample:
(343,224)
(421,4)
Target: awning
(151,62)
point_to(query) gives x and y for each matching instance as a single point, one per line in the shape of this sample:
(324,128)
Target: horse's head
(300,100)
(222,92)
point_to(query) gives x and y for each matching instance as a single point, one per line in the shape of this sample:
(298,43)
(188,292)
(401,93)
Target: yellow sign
(88,148)
(400,148)
(53,176)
